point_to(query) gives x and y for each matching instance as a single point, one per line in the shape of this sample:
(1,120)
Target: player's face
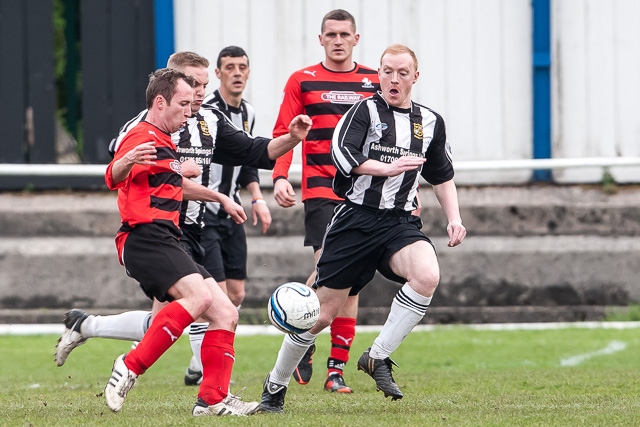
(176,113)
(397,75)
(338,39)
(233,74)
(201,76)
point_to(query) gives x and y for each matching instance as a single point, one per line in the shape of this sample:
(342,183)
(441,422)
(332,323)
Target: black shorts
(225,248)
(190,241)
(154,257)
(359,242)
(317,215)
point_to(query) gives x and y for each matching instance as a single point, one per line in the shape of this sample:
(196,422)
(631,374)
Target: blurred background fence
(515,79)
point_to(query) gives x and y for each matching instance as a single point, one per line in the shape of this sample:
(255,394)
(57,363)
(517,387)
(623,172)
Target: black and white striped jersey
(142,115)
(229,179)
(372,129)
(211,139)
(243,117)
(115,142)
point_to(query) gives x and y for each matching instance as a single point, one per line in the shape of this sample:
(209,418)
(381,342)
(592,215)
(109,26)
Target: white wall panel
(475,60)
(627,86)
(596,94)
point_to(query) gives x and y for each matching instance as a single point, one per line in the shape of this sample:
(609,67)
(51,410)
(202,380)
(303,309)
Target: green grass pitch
(450,377)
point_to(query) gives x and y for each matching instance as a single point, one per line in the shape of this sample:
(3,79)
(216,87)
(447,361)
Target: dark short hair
(338,15)
(233,52)
(164,82)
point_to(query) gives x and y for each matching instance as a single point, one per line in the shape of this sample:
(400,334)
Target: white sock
(291,352)
(196,335)
(407,310)
(130,325)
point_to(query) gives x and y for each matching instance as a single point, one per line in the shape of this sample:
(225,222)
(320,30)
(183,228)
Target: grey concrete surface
(487,211)
(546,252)
(485,271)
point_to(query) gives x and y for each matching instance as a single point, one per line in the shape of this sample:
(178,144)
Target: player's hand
(456,232)
(416,211)
(300,126)
(404,164)
(235,211)
(260,210)
(143,154)
(190,169)
(284,194)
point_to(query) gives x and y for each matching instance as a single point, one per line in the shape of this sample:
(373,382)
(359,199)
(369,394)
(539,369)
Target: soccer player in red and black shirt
(324,91)
(148,176)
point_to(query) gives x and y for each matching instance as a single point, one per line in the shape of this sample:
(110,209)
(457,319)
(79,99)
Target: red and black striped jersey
(323,95)
(150,193)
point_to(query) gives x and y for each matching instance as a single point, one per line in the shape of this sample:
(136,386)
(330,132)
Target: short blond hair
(398,48)
(180,60)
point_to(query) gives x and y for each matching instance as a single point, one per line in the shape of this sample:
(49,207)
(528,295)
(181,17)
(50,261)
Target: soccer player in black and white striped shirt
(223,240)
(380,147)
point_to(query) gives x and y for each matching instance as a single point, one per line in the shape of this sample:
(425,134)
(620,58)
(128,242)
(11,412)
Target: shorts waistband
(395,212)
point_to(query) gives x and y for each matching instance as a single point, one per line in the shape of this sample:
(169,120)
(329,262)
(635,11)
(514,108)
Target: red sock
(164,331)
(343,330)
(217,355)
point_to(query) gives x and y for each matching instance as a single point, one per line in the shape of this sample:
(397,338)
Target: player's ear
(357,39)
(415,77)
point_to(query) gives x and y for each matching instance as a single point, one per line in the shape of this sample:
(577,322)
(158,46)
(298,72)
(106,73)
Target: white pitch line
(58,328)
(613,347)
(267,329)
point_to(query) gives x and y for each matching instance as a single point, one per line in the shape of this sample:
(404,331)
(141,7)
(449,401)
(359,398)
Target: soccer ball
(293,308)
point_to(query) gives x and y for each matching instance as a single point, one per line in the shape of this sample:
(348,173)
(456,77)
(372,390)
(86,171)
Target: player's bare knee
(200,301)
(426,282)
(205,299)
(230,311)
(222,315)
(237,298)
(230,319)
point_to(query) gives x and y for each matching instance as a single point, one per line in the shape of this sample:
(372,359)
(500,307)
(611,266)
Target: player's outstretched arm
(194,191)
(190,169)
(398,166)
(298,129)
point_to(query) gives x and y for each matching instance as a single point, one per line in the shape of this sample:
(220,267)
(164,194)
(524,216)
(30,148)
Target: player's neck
(339,66)
(154,118)
(231,99)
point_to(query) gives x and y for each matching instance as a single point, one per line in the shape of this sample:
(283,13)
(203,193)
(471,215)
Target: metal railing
(7,169)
